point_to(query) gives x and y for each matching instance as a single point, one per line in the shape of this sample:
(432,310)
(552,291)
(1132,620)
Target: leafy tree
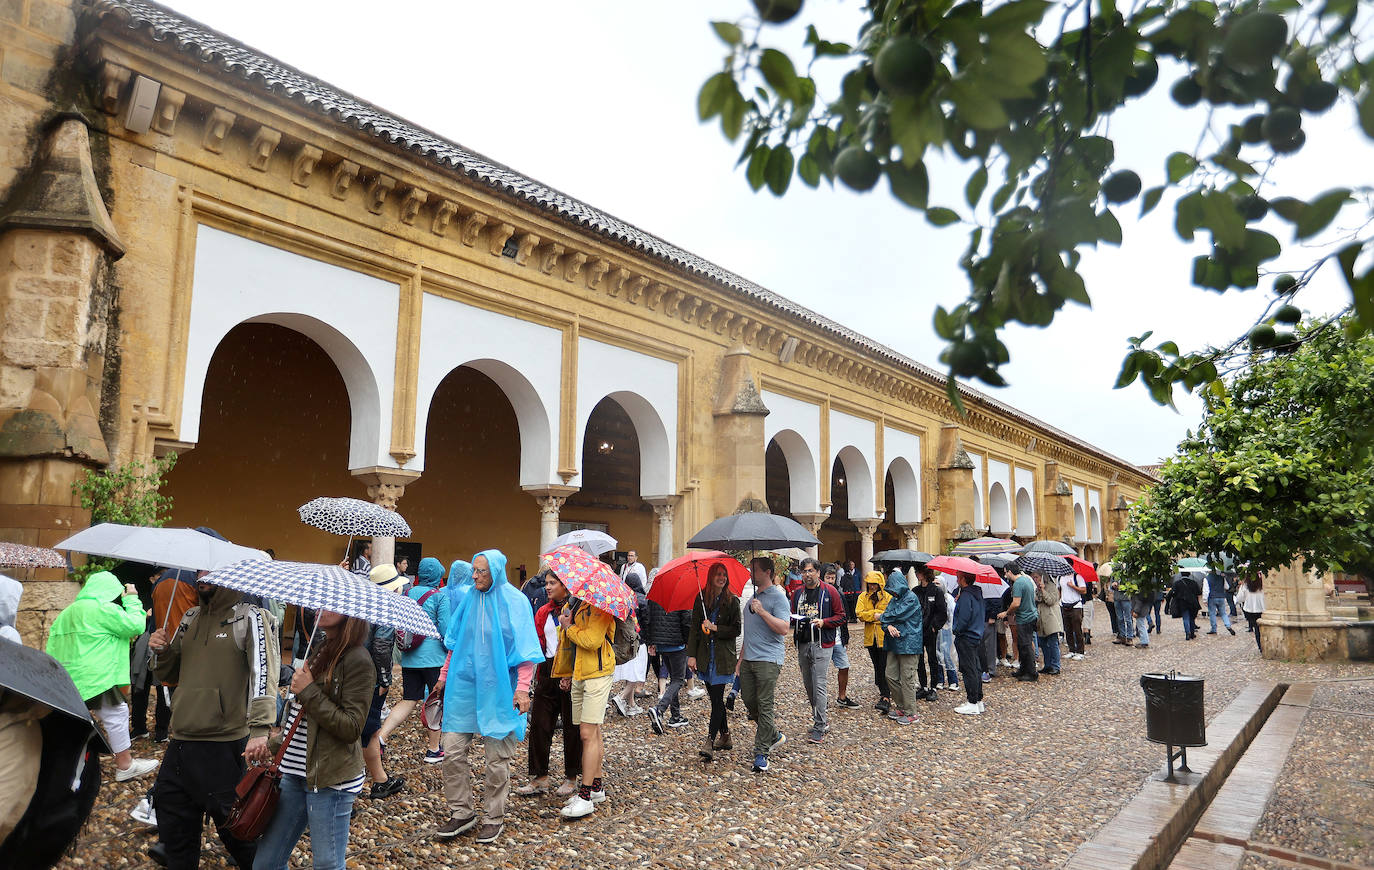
(1282,467)
(1023,92)
(128,494)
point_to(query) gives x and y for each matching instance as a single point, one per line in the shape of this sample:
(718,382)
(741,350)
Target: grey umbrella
(902,557)
(1054,548)
(39,676)
(752,531)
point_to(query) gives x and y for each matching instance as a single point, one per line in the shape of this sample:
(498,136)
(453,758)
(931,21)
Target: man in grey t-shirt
(766,622)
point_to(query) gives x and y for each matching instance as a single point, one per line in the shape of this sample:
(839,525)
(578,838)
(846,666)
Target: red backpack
(408,641)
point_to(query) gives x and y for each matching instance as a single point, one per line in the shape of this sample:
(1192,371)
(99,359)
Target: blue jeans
(1125,623)
(326,812)
(1189,623)
(1142,630)
(945,647)
(1217,607)
(1049,648)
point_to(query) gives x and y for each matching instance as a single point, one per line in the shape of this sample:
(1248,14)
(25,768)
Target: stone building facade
(205,251)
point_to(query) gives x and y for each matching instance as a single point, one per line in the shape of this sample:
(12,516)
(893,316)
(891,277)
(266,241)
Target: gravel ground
(1020,787)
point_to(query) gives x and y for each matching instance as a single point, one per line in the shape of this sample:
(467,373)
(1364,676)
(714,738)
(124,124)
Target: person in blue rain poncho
(493,649)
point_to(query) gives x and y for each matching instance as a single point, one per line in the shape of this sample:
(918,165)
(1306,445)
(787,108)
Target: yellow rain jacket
(870,611)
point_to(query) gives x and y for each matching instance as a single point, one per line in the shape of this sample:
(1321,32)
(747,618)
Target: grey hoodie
(10,590)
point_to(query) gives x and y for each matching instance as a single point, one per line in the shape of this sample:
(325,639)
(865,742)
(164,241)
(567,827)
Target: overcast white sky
(597,98)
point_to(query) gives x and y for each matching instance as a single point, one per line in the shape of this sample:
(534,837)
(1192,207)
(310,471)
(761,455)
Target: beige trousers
(458,776)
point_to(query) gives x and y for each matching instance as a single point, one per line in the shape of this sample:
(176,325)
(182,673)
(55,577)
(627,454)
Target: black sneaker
(730,700)
(677,721)
(1232,630)
(655,722)
(386,789)
(455,826)
(848,703)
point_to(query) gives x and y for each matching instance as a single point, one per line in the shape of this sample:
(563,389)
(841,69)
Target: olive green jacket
(334,716)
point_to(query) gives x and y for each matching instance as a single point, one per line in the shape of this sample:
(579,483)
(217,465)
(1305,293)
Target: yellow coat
(584,647)
(869,613)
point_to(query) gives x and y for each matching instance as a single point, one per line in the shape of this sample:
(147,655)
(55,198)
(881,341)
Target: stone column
(1297,626)
(385,486)
(550,500)
(813,523)
(738,445)
(956,486)
(664,508)
(912,533)
(866,527)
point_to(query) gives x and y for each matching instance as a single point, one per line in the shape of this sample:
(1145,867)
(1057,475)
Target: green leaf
(1221,216)
(713,95)
(1179,166)
(1129,371)
(729,33)
(778,171)
(1108,228)
(758,164)
(779,72)
(941,216)
(1017,15)
(1366,111)
(809,170)
(911,185)
(977,183)
(1320,212)
(1361,288)
(975,107)
(1015,57)
(1068,284)
(999,199)
(1150,200)
(732,114)
(1288,208)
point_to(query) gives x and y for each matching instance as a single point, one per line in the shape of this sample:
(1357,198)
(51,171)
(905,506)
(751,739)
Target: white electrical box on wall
(142,104)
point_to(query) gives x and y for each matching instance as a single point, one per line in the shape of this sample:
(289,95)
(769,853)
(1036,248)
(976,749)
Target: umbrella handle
(305,657)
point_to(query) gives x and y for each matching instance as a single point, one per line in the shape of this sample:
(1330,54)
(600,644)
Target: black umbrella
(901,557)
(752,531)
(996,560)
(1054,548)
(37,675)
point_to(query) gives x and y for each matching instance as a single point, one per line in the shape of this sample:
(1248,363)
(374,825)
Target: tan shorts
(589,699)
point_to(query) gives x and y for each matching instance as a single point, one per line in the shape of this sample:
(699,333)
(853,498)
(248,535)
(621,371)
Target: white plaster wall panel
(1095,516)
(980,488)
(999,509)
(999,472)
(646,387)
(1080,497)
(797,427)
(1024,479)
(1080,513)
(846,432)
(902,453)
(351,316)
(523,359)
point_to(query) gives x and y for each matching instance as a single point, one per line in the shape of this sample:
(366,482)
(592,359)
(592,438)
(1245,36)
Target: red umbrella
(679,582)
(1083,569)
(957,564)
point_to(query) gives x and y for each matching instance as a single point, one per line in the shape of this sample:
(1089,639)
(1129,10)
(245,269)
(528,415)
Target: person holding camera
(818,611)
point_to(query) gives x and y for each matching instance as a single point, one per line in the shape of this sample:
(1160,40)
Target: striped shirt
(293,760)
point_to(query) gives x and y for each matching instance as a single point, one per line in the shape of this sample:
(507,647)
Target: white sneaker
(138,767)
(597,797)
(982,708)
(1078,657)
(143,813)
(698,692)
(577,808)
(968,709)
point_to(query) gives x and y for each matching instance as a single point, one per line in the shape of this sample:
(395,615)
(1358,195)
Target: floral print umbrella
(23,556)
(591,580)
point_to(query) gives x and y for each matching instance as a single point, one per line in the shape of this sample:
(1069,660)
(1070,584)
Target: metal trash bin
(1174,714)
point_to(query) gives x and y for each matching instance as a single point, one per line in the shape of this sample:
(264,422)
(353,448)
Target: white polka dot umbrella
(352,516)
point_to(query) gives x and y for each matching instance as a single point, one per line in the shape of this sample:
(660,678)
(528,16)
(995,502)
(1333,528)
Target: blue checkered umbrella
(1043,563)
(325,587)
(352,516)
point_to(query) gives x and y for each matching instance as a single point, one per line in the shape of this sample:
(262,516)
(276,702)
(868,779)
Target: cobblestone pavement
(1020,787)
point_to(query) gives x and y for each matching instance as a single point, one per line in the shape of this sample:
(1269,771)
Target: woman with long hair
(711,650)
(322,768)
(1251,600)
(870,606)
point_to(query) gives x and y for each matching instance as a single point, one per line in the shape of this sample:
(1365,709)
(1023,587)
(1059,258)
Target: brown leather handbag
(258,793)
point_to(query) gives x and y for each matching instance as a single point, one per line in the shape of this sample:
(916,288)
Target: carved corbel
(572,265)
(304,163)
(689,308)
(169,103)
(739,327)
(704,320)
(619,278)
(548,257)
(113,78)
(524,246)
(596,272)
(652,296)
(725,321)
(751,330)
(343,177)
(824,362)
(443,214)
(378,191)
(264,145)
(410,206)
(473,224)
(635,289)
(217,128)
(497,238)
(671,299)
(844,367)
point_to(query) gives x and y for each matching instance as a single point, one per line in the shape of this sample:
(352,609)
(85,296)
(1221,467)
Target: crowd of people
(513,666)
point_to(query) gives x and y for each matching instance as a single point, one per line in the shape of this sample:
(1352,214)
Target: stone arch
(364,396)
(1080,524)
(1094,524)
(801,471)
(655,450)
(531,414)
(1025,513)
(999,510)
(906,491)
(859,481)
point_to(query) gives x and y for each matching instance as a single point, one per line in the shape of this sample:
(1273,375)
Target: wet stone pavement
(1019,787)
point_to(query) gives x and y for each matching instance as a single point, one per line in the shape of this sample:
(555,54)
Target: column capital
(912,533)
(664,505)
(812,521)
(385,486)
(550,497)
(867,527)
